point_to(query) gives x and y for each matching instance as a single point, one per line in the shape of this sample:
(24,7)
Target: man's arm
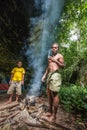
(60,61)
(44,76)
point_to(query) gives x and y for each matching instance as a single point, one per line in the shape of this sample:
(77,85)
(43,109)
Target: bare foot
(48,114)
(52,118)
(45,118)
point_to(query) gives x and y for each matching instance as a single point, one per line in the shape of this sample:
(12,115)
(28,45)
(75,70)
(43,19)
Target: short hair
(18,61)
(56,44)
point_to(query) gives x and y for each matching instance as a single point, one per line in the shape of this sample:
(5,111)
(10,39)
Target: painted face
(19,64)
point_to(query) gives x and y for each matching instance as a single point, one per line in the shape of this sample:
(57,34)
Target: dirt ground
(69,120)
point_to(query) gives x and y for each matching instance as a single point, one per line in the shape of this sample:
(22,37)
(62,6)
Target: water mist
(42,37)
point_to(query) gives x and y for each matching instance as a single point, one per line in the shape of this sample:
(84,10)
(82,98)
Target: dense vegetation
(74,98)
(72,36)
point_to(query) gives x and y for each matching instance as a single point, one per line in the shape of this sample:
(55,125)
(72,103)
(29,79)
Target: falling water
(42,36)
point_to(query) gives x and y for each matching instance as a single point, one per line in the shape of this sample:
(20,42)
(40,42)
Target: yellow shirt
(18,73)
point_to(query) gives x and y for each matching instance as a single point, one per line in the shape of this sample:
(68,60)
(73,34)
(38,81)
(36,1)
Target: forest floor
(66,119)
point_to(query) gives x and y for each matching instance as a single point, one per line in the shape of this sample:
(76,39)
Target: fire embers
(28,101)
(35,106)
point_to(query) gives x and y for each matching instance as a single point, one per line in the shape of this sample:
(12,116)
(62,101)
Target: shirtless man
(53,80)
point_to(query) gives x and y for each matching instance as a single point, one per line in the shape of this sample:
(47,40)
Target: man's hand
(44,76)
(60,62)
(43,79)
(52,59)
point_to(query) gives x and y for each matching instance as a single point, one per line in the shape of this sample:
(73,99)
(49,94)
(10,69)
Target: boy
(16,80)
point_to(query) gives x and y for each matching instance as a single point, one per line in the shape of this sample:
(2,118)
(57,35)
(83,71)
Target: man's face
(54,49)
(19,64)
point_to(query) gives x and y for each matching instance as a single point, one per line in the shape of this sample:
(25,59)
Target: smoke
(42,36)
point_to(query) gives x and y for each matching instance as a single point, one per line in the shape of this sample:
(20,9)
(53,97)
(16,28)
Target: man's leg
(55,102)
(50,101)
(55,105)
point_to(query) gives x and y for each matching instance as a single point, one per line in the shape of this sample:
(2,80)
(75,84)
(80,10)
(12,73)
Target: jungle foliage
(74,98)
(72,36)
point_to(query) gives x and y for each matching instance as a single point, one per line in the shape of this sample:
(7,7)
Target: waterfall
(42,36)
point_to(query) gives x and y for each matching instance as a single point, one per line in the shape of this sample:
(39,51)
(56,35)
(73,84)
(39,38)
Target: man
(16,80)
(55,62)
